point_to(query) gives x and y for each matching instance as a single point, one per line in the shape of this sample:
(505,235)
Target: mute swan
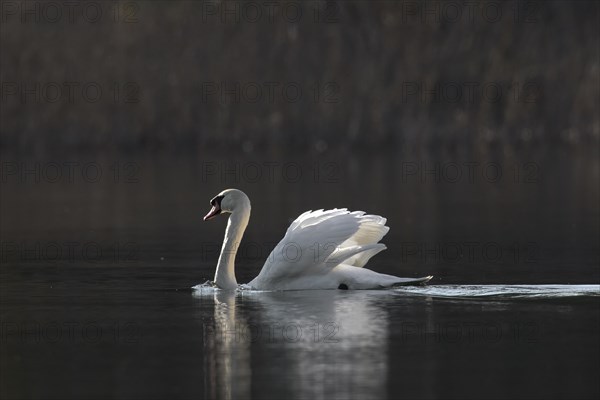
(323,249)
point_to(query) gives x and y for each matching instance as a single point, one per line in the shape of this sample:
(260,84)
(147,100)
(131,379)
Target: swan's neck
(236,225)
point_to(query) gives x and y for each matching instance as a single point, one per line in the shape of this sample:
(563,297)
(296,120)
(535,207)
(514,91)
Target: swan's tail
(352,277)
(414,281)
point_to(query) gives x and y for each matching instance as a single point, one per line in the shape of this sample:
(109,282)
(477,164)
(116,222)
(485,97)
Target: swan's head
(228,201)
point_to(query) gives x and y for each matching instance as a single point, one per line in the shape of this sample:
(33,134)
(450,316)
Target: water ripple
(504,291)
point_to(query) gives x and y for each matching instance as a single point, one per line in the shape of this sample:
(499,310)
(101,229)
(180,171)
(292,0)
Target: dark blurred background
(460,122)
(290,76)
(473,127)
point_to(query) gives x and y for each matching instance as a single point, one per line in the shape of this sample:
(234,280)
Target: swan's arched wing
(317,241)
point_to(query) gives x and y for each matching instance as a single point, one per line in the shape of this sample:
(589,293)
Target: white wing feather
(318,241)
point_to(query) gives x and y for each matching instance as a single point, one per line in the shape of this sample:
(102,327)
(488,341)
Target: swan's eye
(216,200)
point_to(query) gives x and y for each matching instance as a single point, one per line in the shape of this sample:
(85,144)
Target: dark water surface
(95,299)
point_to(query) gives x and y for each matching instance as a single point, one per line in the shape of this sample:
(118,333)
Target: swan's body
(323,249)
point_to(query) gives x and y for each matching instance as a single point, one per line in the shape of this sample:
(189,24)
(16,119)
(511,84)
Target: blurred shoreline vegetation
(374,77)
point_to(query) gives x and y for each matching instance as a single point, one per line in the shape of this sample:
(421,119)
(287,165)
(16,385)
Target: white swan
(323,249)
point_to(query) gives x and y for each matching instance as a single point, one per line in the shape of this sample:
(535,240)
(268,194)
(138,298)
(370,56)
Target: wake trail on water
(504,291)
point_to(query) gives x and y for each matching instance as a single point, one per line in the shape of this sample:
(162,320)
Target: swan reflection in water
(308,343)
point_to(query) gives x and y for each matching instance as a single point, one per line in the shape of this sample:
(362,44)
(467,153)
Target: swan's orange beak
(214,211)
